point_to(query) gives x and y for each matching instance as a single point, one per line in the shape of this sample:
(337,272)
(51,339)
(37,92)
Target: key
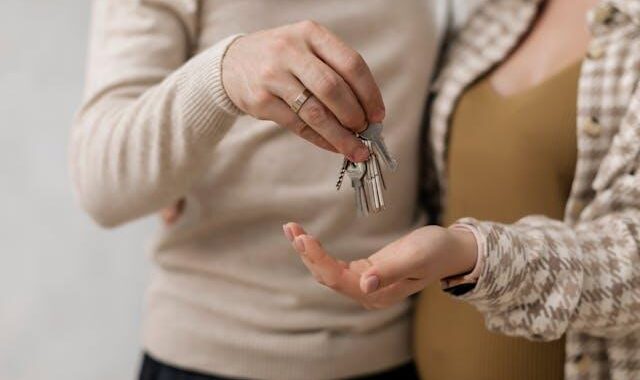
(373,190)
(343,170)
(366,178)
(378,182)
(373,133)
(356,172)
(383,185)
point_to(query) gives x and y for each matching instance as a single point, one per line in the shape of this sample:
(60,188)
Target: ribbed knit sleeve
(152,113)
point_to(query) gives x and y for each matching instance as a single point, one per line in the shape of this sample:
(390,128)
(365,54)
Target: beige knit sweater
(228,296)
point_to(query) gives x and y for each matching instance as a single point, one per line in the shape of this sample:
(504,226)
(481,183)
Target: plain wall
(70,293)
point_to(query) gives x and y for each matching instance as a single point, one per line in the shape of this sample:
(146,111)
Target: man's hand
(264,73)
(397,271)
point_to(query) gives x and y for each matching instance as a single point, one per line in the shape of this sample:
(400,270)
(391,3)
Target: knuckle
(316,113)
(329,85)
(309,25)
(260,100)
(280,43)
(355,64)
(269,72)
(355,121)
(263,99)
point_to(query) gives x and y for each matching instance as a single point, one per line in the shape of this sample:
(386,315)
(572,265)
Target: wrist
(463,254)
(227,71)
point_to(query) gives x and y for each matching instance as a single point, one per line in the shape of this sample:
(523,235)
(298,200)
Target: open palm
(388,276)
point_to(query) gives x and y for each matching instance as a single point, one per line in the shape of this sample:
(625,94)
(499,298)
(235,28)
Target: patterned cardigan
(542,278)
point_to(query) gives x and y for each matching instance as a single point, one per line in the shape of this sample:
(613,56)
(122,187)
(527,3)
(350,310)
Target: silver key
(373,167)
(373,188)
(373,133)
(356,172)
(380,176)
(343,170)
(366,178)
(378,182)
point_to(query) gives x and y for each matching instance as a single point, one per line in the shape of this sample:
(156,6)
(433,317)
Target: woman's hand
(264,73)
(397,271)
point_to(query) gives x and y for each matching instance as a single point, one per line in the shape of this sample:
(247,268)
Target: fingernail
(287,233)
(298,243)
(371,284)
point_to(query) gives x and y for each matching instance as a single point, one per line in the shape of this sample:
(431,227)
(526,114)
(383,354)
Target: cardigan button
(591,127)
(595,52)
(603,13)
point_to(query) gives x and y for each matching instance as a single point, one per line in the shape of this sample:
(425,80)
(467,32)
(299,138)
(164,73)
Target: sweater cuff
(205,97)
(462,283)
(469,286)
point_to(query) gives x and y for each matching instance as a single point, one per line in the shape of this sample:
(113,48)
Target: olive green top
(508,157)
(513,156)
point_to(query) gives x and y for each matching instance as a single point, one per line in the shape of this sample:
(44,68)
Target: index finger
(352,67)
(332,272)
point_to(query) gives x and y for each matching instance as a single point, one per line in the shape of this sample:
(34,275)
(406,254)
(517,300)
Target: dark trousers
(152,369)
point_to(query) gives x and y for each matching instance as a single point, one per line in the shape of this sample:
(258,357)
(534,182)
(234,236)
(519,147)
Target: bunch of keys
(366,178)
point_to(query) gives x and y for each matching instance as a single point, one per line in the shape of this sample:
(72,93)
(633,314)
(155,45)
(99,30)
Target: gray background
(70,293)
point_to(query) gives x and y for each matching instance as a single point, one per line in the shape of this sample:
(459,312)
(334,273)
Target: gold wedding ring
(300,100)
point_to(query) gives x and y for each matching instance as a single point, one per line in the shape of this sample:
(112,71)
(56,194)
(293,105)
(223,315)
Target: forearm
(133,156)
(151,117)
(519,276)
(542,277)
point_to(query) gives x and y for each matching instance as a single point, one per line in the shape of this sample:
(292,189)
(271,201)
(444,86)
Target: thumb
(393,265)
